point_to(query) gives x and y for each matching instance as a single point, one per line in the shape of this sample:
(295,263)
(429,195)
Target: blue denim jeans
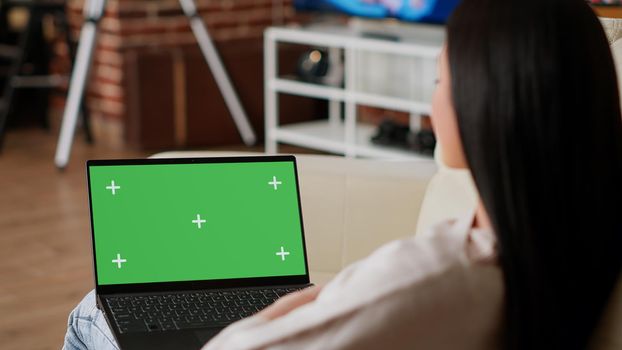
(87,328)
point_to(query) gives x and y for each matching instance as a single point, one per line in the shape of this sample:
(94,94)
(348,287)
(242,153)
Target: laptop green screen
(190,222)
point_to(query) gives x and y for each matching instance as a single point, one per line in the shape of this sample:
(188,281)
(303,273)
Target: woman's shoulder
(430,285)
(418,292)
(448,251)
(445,245)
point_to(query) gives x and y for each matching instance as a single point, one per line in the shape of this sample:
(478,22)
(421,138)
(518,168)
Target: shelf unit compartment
(400,76)
(328,137)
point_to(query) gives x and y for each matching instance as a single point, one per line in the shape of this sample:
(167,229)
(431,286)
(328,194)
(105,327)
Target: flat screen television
(422,11)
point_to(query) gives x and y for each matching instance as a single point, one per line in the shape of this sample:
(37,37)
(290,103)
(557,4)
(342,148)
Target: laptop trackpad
(204,335)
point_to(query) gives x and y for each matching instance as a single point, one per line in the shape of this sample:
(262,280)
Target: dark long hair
(535,92)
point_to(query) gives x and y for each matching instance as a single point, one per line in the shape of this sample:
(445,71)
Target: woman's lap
(87,328)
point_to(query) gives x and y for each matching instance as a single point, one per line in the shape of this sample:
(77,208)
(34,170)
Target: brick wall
(136,26)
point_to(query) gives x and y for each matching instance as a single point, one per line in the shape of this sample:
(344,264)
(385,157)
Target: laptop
(184,247)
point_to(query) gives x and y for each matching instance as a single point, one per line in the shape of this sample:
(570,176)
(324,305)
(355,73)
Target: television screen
(606,2)
(427,11)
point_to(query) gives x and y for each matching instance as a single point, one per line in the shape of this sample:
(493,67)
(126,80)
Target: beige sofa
(352,206)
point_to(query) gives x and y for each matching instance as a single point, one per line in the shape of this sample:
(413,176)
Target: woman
(527,100)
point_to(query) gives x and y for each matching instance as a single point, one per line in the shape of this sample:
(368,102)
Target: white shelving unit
(345,135)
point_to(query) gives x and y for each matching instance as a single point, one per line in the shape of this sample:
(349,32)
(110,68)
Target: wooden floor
(45,259)
(45,263)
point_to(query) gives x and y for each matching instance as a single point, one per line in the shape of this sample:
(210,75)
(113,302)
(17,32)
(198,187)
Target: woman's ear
(444,119)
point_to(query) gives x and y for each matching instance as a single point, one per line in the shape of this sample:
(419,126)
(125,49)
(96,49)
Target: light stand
(93,12)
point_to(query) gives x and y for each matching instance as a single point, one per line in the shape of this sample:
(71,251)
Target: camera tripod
(93,12)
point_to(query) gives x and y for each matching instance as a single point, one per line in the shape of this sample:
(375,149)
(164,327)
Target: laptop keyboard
(198,309)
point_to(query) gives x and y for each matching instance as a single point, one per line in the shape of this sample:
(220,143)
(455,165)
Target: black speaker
(392,134)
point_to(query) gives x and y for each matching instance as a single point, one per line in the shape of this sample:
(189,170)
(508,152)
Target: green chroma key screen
(201,221)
